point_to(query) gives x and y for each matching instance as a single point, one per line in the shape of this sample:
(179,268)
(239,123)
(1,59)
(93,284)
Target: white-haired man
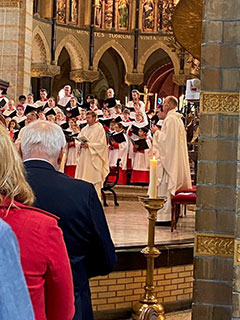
(82,219)
(110,101)
(63,101)
(92,162)
(173,162)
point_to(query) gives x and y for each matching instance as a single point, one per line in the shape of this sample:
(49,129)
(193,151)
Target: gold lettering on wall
(112,35)
(148,38)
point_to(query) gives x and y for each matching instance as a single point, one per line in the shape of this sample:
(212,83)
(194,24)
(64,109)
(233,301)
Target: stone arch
(40,47)
(75,51)
(159,45)
(119,49)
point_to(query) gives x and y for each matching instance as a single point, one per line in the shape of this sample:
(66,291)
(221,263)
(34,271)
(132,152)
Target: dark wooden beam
(136,36)
(91,39)
(53,36)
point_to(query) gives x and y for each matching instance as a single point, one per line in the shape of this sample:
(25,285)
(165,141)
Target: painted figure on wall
(123,12)
(74,11)
(98,13)
(148,15)
(108,16)
(61,11)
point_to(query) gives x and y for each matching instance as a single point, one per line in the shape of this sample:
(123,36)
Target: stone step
(131,189)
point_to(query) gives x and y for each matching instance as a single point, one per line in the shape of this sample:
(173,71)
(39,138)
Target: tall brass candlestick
(151,253)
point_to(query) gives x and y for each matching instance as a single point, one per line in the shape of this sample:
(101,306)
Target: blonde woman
(43,253)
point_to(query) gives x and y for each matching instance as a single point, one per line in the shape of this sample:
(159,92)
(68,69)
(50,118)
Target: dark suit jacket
(83,223)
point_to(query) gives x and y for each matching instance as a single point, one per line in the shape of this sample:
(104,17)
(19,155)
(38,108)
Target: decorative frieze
(11,3)
(237,253)
(219,102)
(44,70)
(134,78)
(214,245)
(84,75)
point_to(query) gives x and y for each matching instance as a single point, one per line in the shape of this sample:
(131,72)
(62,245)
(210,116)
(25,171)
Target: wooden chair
(182,197)
(148,314)
(108,186)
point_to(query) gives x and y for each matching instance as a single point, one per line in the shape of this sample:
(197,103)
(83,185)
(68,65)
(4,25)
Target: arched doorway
(59,81)
(112,73)
(158,74)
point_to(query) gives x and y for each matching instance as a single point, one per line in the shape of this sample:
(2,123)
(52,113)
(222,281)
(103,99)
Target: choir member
(67,96)
(20,117)
(81,119)
(141,158)
(110,101)
(94,107)
(136,104)
(22,99)
(10,109)
(3,100)
(13,128)
(41,115)
(72,149)
(125,119)
(51,108)
(118,149)
(43,98)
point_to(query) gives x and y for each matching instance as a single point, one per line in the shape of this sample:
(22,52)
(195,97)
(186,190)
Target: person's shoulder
(74,182)
(36,212)
(5,230)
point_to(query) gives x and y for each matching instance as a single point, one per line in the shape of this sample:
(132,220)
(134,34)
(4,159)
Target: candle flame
(154,157)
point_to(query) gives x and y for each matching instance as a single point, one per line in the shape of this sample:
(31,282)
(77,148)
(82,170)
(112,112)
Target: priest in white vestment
(92,162)
(172,155)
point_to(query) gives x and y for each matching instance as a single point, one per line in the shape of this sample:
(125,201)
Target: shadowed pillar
(216,270)
(16,45)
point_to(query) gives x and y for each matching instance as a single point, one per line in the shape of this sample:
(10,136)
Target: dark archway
(158,74)
(63,78)
(112,74)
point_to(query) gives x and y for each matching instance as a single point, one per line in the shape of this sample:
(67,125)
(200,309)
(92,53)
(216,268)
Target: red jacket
(44,260)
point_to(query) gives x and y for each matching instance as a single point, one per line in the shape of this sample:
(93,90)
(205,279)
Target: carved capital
(219,102)
(11,3)
(181,79)
(44,70)
(134,78)
(214,245)
(84,75)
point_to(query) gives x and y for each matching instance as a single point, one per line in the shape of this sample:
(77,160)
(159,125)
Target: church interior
(160,48)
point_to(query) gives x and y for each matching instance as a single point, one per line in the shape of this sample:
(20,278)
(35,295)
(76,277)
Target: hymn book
(140,144)
(118,137)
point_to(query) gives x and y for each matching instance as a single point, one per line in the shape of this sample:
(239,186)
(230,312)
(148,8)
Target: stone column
(16,45)
(216,272)
(84,78)
(133,80)
(42,75)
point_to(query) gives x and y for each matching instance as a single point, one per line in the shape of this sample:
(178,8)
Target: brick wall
(122,289)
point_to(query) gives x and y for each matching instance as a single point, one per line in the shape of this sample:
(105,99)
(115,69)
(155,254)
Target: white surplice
(173,161)
(92,162)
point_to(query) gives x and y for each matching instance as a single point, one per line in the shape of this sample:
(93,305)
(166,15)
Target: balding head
(170,103)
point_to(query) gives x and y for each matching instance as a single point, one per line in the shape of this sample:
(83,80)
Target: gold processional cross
(145,95)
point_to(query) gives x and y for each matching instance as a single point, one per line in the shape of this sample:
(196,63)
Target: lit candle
(153,178)
(181,102)
(126,100)
(62,166)
(155,102)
